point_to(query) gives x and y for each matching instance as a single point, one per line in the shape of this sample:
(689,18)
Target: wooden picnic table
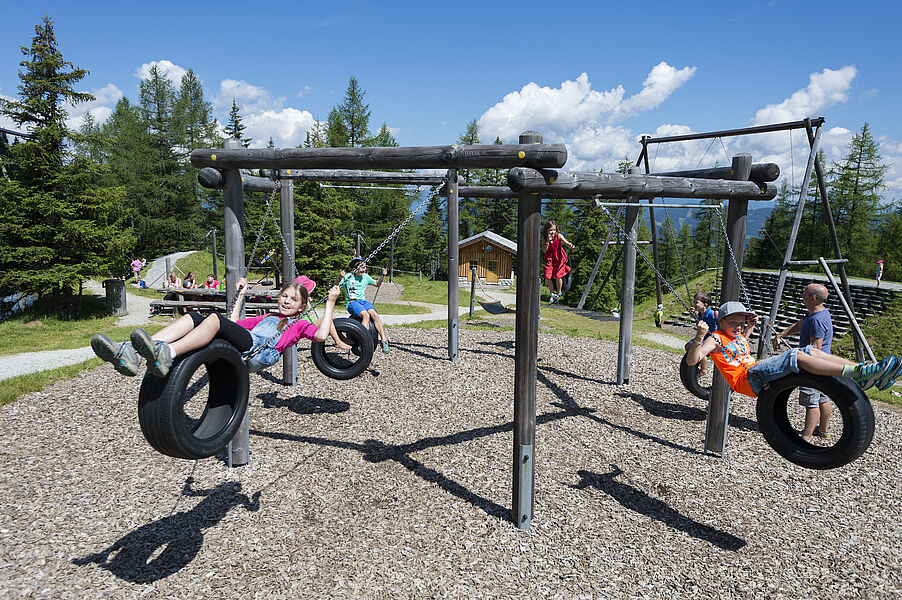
(257,300)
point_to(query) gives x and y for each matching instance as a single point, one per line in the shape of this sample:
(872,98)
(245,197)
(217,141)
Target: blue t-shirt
(817,325)
(710,319)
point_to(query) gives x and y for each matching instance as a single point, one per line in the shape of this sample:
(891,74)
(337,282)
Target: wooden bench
(180,307)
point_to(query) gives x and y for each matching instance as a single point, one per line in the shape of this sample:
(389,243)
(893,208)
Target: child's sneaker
(158,354)
(869,374)
(385,346)
(122,356)
(821,434)
(892,373)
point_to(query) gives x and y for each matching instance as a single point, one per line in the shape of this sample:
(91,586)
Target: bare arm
(381,277)
(322,332)
(564,241)
(818,343)
(242,289)
(699,347)
(792,329)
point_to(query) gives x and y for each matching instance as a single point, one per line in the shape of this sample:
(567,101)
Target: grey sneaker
(158,354)
(870,374)
(385,346)
(121,355)
(821,434)
(892,373)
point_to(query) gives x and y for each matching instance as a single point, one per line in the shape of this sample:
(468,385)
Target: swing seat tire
(853,406)
(689,377)
(344,364)
(373,333)
(161,403)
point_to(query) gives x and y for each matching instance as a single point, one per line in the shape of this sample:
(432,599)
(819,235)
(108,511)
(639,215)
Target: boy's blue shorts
(359,306)
(774,367)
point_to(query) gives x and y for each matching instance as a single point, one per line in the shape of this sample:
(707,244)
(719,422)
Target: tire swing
(162,401)
(373,332)
(344,364)
(852,404)
(689,377)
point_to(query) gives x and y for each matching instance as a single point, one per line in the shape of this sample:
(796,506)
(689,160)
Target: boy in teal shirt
(354,285)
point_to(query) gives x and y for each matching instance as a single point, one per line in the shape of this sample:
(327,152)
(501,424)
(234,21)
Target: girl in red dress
(556,266)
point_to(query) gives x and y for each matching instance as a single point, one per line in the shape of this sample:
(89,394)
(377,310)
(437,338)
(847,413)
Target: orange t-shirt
(733,360)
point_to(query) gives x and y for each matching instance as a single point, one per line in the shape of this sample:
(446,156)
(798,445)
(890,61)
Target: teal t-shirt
(354,287)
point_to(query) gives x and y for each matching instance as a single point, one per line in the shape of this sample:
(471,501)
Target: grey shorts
(774,367)
(811,398)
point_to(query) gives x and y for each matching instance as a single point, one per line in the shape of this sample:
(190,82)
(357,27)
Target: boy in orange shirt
(729,349)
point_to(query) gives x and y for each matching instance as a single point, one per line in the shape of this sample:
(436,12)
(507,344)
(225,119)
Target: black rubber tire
(690,380)
(853,405)
(373,331)
(344,364)
(161,403)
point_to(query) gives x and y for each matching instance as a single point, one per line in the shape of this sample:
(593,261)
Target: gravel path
(397,485)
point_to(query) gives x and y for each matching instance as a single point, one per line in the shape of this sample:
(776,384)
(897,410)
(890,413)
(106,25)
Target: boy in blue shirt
(354,285)
(701,304)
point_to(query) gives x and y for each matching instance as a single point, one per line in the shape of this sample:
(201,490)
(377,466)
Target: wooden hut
(491,254)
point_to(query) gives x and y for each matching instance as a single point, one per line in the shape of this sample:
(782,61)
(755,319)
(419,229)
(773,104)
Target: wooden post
(286,224)
(719,401)
(233,209)
(215,267)
(607,241)
(357,246)
(168,270)
(472,291)
(453,287)
(529,224)
(628,290)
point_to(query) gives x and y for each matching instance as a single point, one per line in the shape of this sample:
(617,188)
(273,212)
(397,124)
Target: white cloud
(4,120)
(287,127)
(101,107)
(575,106)
(825,89)
(250,98)
(662,81)
(165,67)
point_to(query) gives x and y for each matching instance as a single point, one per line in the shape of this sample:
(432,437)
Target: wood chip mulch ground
(398,485)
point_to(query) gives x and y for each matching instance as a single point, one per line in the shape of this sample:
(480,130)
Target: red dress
(556,260)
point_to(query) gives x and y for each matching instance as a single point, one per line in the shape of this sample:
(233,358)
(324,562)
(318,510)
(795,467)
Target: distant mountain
(757,215)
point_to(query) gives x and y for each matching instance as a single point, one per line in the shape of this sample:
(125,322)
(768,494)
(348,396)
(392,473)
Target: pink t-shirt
(291,335)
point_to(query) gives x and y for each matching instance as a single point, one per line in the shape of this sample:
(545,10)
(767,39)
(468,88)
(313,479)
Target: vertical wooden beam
(472,291)
(233,209)
(286,224)
(719,401)
(628,290)
(529,225)
(453,286)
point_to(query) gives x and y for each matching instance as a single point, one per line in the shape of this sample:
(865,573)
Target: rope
(647,261)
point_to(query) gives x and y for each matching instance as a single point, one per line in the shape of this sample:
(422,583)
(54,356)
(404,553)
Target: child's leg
(378,324)
(558,285)
(364,318)
(175,330)
(198,337)
(334,333)
(821,363)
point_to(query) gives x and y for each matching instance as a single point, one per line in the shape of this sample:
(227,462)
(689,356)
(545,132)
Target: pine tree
(470,209)
(432,240)
(235,128)
(767,247)
(855,185)
(192,118)
(57,226)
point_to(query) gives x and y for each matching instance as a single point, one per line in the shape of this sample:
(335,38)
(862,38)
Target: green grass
(13,388)
(433,292)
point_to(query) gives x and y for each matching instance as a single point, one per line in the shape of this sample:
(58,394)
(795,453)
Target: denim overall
(265,331)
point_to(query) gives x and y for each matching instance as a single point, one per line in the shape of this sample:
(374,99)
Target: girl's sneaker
(384,346)
(158,354)
(122,356)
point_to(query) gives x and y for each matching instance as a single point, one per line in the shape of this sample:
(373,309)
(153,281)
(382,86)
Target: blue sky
(594,75)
